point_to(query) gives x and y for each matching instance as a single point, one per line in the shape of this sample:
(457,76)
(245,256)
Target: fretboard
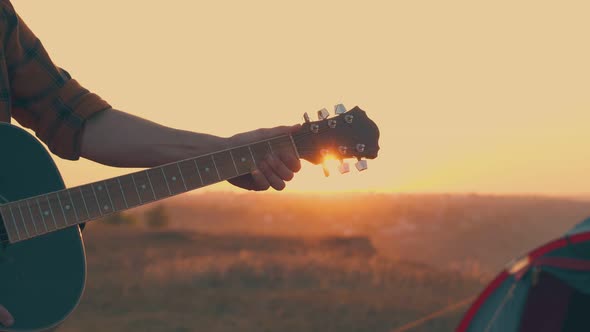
(42,214)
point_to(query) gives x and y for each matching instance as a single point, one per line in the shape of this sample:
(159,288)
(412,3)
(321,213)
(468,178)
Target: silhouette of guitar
(42,259)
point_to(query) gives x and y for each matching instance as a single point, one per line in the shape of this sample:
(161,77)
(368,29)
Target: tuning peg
(361,165)
(306,117)
(323,114)
(339,109)
(343,167)
(326,170)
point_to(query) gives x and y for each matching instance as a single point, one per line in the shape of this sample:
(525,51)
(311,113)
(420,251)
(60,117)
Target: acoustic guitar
(42,259)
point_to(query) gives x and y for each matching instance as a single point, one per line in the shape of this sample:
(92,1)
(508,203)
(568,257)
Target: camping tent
(546,290)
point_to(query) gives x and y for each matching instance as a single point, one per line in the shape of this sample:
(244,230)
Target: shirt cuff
(75,105)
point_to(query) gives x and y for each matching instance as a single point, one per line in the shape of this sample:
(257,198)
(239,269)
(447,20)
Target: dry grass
(171,281)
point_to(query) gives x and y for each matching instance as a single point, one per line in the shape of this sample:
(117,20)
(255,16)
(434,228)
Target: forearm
(119,139)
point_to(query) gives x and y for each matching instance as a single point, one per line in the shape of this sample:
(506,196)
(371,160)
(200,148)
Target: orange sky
(469,96)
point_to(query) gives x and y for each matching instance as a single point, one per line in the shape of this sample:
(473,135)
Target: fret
(20,213)
(113,189)
(146,194)
(252,155)
(33,219)
(270,147)
(130,190)
(47,213)
(280,143)
(181,176)
(106,189)
(42,214)
(30,226)
(158,182)
(206,169)
(260,151)
(166,180)
(234,162)
(90,201)
(79,204)
(174,179)
(199,173)
(102,198)
(151,185)
(73,205)
(190,174)
(136,189)
(122,193)
(36,216)
(17,224)
(62,209)
(13,232)
(56,210)
(243,159)
(225,165)
(67,207)
(216,169)
(294,146)
(96,199)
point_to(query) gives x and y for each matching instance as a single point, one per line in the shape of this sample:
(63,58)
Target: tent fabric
(516,296)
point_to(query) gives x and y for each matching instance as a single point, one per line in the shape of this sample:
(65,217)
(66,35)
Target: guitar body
(41,279)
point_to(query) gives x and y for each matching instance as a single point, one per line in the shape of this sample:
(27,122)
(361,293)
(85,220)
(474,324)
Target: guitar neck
(46,213)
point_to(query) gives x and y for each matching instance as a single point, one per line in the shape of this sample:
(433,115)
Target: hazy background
(469,96)
(474,100)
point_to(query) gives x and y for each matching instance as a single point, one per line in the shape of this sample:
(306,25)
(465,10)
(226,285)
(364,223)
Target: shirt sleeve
(44,97)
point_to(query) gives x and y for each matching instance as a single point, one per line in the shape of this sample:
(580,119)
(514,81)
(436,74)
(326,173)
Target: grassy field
(284,263)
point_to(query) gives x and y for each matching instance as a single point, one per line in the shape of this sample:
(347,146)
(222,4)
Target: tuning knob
(361,165)
(323,114)
(339,109)
(343,167)
(326,170)
(306,117)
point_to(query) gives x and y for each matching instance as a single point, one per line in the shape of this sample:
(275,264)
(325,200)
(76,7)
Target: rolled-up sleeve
(44,97)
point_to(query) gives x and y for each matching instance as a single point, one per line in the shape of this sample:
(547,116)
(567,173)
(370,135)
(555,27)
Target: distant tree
(120,219)
(157,217)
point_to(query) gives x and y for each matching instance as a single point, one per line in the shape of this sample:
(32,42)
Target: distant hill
(472,233)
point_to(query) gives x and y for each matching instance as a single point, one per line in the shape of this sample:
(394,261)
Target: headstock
(350,134)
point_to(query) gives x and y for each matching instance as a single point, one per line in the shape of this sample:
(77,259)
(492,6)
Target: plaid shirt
(37,93)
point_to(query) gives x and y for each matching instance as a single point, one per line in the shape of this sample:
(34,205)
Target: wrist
(191,144)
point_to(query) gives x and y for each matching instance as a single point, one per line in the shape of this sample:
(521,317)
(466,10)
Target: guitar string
(290,144)
(296,137)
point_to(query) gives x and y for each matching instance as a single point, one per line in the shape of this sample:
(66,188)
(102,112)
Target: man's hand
(275,169)
(6,318)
